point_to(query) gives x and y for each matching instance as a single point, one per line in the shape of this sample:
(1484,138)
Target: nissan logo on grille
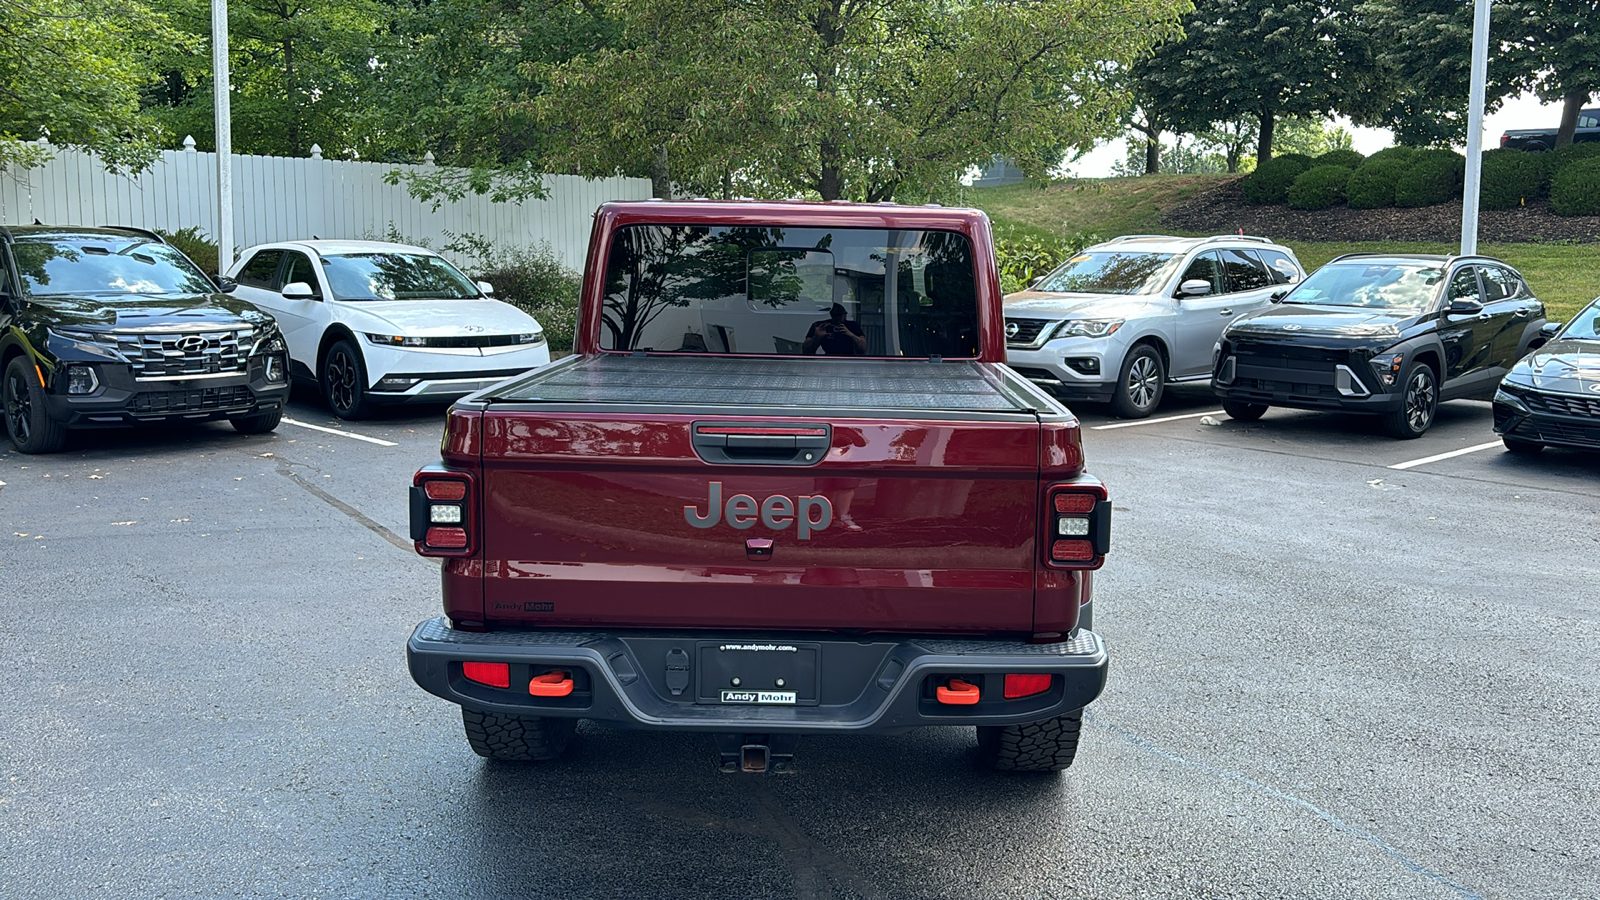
(1011,329)
(194,343)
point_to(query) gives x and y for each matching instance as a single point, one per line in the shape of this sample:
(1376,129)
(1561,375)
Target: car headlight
(397,340)
(532,337)
(1387,365)
(1093,328)
(1506,395)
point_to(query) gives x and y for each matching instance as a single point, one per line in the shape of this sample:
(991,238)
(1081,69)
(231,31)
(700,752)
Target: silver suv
(1119,321)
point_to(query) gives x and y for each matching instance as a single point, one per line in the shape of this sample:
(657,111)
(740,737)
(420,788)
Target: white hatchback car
(373,322)
(1121,320)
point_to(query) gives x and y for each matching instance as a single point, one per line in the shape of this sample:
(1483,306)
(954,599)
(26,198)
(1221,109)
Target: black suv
(113,326)
(1390,334)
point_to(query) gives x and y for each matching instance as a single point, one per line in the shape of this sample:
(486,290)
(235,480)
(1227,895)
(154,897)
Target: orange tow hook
(958,693)
(550,684)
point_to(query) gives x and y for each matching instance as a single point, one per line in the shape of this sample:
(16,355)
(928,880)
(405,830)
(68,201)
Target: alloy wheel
(19,408)
(1420,399)
(1144,380)
(341,380)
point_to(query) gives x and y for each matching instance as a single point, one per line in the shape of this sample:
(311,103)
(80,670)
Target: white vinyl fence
(280,198)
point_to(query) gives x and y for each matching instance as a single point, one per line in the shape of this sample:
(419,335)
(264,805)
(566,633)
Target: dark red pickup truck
(786,485)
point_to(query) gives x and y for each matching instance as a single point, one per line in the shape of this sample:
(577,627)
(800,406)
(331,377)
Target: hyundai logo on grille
(1595,388)
(194,343)
(1291,328)
(1011,329)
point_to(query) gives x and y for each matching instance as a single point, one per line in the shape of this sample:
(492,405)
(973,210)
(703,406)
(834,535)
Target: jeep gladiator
(785,485)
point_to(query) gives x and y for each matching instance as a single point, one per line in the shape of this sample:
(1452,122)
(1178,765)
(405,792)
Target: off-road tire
(1240,411)
(28,422)
(1047,746)
(257,423)
(1419,405)
(1140,383)
(1520,446)
(344,381)
(516,738)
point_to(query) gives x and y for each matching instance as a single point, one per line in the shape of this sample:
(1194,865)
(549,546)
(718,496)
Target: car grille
(1566,406)
(198,400)
(485,340)
(1557,431)
(1027,331)
(1286,375)
(176,354)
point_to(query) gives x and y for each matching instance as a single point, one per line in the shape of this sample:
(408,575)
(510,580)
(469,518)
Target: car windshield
(1585,326)
(107,267)
(1377,284)
(390,275)
(1110,272)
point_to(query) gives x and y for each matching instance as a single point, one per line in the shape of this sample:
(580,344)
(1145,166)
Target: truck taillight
(1077,524)
(443,522)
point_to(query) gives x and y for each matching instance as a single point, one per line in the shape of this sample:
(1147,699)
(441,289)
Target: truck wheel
(516,738)
(1139,384)
(1520,446)
(257,423)
(32,429)
(344,381)
(1047,746)
(1419,401)
(1242,411)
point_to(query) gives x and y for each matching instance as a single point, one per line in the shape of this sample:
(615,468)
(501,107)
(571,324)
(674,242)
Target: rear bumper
(868,685)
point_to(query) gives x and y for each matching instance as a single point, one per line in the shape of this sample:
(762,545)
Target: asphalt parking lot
(1343,666)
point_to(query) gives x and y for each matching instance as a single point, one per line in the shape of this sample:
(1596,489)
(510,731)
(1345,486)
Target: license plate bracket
(757,673)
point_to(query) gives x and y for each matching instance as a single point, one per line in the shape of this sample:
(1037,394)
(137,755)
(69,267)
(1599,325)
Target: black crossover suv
(112,326)
(1552,397)
(1390,334)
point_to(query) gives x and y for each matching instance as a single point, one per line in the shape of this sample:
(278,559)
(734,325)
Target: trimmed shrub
(1271,180)
(1575,190)
(1404,154)
(1372,185)
(192,242)
(1561,157)
(534,280)
(1319,187)
(1433,177)
(1511,177)
(1350,159)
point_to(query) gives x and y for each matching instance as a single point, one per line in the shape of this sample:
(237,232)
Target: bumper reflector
(1075,503)
(493,674)
(446,538)
(445,490)
(958,693)
(1071,550)
(550,684)
(1026,685)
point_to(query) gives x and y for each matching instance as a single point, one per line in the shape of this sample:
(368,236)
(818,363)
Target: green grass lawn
(1564,276)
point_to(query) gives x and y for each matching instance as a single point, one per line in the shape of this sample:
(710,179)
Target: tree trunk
(831,184)
(1264,139)
(1233,154)
(660,175)
(1152,151)
(1571,105)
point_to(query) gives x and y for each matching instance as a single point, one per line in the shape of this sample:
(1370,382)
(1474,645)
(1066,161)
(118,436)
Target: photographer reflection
(835,335)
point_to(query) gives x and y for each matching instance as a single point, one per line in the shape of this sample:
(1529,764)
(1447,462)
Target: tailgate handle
(769,445)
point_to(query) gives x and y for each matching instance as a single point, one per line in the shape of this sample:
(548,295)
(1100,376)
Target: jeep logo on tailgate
(809,512)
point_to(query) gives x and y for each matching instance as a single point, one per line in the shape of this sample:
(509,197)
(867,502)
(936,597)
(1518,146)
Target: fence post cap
(427,158)
(44,135)
(188,143)
(316,151)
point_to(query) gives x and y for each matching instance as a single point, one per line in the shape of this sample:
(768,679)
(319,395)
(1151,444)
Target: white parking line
(342,433)
(1215,412)
(1438,456)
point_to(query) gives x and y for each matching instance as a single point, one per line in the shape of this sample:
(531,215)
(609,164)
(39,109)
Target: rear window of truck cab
(780,291)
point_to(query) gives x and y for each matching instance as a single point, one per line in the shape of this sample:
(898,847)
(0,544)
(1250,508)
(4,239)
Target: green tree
(76,70)
(1270,59)
(1552,47)
(847,98)
(302,72)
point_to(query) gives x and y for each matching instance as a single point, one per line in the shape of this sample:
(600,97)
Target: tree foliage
(1552,47)
(847,98)
(76,69)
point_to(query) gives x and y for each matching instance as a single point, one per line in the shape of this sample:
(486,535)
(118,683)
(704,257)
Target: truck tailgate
(683,498)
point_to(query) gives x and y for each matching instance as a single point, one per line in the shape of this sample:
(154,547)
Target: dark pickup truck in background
(1545,138)
(786,485)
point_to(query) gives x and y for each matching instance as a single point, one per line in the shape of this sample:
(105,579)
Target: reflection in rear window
(790,291)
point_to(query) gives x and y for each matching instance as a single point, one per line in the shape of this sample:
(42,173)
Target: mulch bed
(1222,210)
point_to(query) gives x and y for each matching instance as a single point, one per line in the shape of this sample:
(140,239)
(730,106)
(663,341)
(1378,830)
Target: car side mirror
(1465,307)
(1278,295)
(1034,284)
(225,284)
(298,290)
(1549,329)
(1194,287)
(485,288)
